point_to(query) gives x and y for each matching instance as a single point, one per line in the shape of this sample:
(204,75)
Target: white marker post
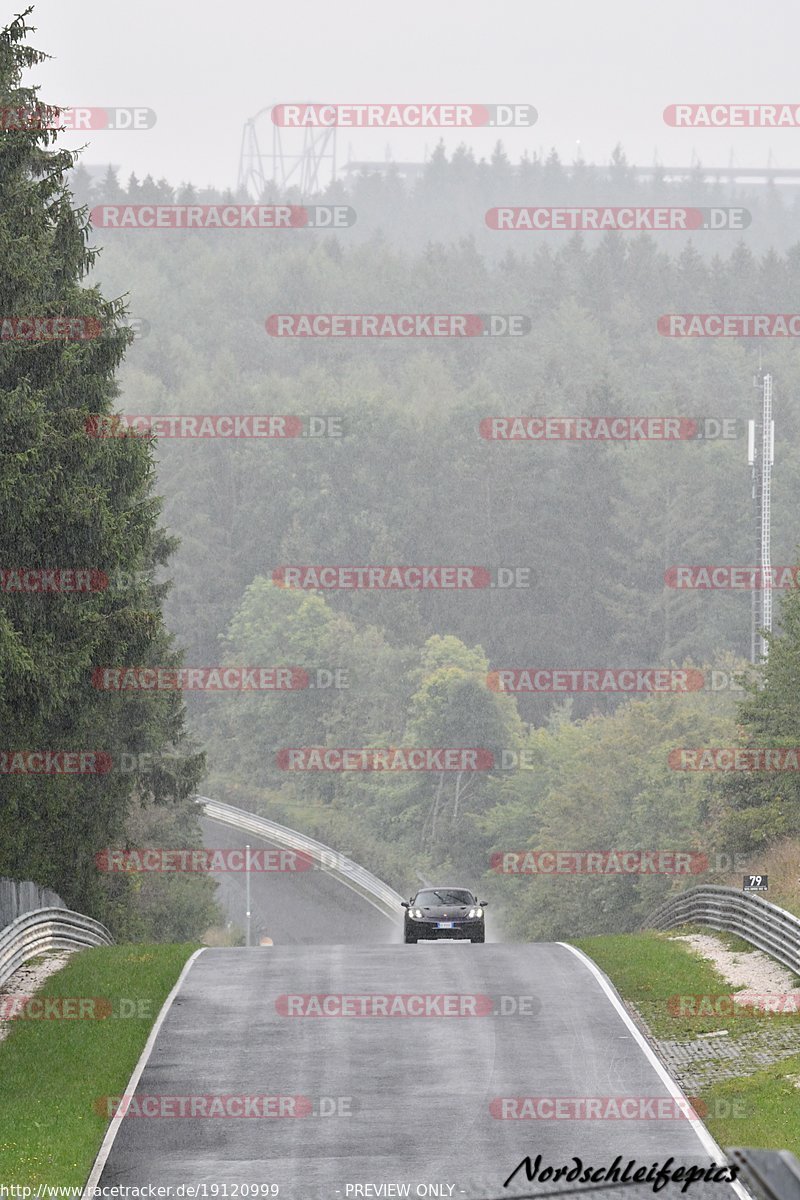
(247,878)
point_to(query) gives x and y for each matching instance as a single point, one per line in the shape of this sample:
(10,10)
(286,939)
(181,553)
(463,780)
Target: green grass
(729,940)
(53,1072)
(649,968)
(760,1110)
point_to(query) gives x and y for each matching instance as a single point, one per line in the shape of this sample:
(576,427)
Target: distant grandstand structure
(273,158)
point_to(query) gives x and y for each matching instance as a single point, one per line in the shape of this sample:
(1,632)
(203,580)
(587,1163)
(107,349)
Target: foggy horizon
(598,76)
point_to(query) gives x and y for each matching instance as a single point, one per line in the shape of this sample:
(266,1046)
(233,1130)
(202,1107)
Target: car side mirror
(404,904)
(483,904)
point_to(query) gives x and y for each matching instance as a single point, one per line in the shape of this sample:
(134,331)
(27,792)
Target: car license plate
(445,925)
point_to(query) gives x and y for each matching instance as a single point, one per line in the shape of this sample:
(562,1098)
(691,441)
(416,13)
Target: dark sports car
(444,912)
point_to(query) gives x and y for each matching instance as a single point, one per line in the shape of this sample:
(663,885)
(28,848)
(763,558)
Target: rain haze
(597,74)
(399,600)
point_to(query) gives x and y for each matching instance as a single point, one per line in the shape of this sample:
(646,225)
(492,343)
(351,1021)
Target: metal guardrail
(47,929)
(764,925)
(19,896)
(357,878)
(769,1174)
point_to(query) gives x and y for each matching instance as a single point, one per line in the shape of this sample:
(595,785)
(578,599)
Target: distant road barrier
(18,896)
(46,929)
(357,878)
(764,925)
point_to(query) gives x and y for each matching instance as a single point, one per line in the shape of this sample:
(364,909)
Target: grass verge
(651,970)
(761,1109)
(53,1073)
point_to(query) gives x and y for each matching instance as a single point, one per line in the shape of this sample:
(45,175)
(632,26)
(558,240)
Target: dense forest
(596,525)
(411,480)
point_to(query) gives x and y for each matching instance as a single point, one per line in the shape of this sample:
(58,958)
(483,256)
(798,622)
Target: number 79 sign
(755,883)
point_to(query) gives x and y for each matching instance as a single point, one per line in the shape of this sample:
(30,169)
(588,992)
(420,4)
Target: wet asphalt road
(401,1100)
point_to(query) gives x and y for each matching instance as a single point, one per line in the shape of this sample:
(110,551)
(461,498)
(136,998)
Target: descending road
(304,907)
(413,1095)
(294,908)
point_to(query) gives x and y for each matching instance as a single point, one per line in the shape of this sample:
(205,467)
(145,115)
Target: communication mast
(274,156)
(761,457)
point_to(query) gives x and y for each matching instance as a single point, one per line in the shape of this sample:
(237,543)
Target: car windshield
(438,896)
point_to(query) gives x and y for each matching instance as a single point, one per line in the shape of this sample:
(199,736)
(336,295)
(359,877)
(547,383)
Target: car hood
(441,912)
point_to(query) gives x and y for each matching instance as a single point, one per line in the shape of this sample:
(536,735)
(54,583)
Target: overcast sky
(597,73)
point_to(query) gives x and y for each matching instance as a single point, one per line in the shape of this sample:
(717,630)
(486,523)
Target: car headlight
(416,913)
(476,912)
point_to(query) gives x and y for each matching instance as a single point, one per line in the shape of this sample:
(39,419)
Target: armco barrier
(359,880)
(760,923)
(47,929)
(21,896)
